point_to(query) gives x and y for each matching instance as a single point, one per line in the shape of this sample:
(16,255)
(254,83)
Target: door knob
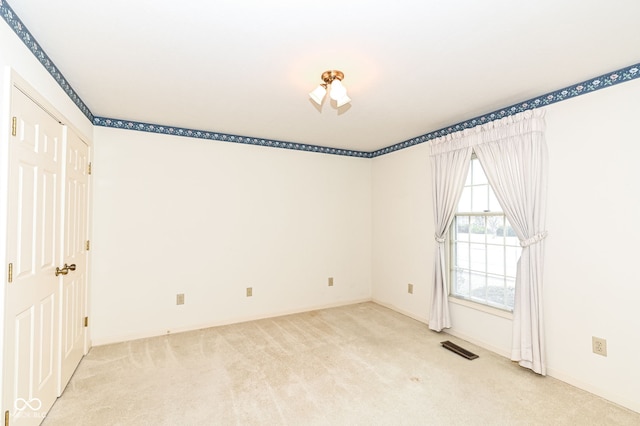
(63,271)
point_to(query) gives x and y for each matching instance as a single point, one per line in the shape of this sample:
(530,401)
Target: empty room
(287,212)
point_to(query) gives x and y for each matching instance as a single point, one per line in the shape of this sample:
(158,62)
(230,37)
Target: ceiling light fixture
(338,92)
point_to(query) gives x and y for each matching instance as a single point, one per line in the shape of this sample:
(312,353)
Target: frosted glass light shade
(337,90)
(343,100)
(318,94)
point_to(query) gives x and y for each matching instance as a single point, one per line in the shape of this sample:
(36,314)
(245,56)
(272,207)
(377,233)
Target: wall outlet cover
(599,345)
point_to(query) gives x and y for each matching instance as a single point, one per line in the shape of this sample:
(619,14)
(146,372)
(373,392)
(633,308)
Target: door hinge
(89,169)
(87,246)
(14,126)
(86,321)
(6,418)
(10,273)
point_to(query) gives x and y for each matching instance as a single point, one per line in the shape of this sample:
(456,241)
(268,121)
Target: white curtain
(450,159)
(513,154)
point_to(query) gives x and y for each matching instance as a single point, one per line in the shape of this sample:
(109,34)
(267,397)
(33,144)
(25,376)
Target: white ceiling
(245,67)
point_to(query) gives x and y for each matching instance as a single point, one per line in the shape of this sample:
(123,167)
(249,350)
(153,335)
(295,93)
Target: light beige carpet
(355,365)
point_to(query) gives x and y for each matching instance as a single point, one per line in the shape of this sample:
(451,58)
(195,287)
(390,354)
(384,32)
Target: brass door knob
(63,271)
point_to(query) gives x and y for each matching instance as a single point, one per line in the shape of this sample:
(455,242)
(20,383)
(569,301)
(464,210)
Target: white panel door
(33,247)
(74,284)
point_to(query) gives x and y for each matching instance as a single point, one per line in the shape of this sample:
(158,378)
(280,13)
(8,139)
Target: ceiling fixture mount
(338,92)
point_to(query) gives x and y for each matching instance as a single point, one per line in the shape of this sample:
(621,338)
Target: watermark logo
(28,408)
(21,404)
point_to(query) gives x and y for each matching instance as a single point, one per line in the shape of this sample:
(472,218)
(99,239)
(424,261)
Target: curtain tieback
(533,240)
(440,240)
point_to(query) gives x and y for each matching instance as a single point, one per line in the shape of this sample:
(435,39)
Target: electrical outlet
(330,281)
(410,288)
(180,299)
(249,291)
(599,345)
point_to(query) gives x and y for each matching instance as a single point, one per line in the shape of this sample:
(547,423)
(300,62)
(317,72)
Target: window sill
(482,308)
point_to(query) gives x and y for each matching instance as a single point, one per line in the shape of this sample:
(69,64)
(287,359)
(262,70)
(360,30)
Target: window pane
(494,205)
(495,260)
(499,235)
(462,228)
(477,229)
(478,174)
(478,286)
(462,255)
(461,283)
(478,258)
(493,224)
(464,205)
(480,198)
(495,291)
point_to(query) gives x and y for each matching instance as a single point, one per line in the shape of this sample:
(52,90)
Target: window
(484,248)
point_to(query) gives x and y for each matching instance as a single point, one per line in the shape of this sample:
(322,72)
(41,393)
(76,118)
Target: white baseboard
(631,404)
(400,311)
(476,342)
(154,333)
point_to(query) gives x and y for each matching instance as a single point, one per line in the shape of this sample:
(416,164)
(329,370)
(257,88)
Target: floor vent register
(459,350)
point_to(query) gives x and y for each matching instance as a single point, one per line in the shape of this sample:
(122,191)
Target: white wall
(208,219)
(403,231)
(16,58)
(591,285)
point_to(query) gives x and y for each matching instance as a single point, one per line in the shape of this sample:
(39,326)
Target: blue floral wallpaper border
(224,137)
(606,80)
(19,28)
